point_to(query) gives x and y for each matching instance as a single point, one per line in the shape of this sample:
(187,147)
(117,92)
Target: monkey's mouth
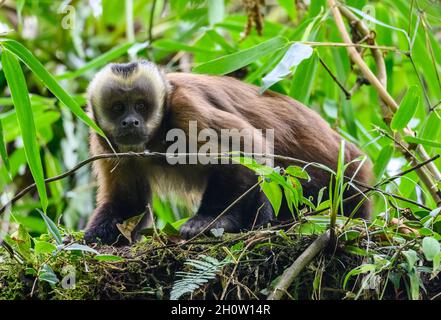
(130,138)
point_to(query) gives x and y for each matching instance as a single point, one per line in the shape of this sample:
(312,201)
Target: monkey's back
(299,131)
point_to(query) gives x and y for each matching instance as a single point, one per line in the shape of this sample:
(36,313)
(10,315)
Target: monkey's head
(128,102)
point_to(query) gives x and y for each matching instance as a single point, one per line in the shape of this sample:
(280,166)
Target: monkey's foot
(198,223)
(105,233)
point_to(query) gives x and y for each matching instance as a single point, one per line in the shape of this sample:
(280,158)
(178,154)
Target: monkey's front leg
(121,194)
(226,185)
(102,226)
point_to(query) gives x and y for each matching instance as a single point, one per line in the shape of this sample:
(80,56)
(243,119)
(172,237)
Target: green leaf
(274,194)
(414,285)
(289,7)
(365,268)
(108,258)
(425,142)
(47,275)
(48,80)
(407,109)
(303,78)
(296,53)
(52,228)
(431,248)
(237,60)
(216,11)
(3,152)
(43,247)
(99,61)
(23,241)
(170,230)
(172,45)
(383,160)
(411,258)
(297,172)
(436,263)
(20,96)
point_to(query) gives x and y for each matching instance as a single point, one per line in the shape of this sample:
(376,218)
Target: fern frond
(204,269)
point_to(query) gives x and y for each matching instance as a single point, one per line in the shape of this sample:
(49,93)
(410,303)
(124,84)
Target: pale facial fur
(138,78)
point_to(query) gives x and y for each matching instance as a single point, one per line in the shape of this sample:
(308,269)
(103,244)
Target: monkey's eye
(118,107)
(140,106)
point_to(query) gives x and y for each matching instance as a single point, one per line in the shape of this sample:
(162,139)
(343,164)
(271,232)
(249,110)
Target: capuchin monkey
(137,105)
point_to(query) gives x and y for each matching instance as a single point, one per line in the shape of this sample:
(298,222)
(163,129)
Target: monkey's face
(127,101)
(125,114)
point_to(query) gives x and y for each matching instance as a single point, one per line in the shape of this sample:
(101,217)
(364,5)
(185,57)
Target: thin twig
(341,86)
(147,154)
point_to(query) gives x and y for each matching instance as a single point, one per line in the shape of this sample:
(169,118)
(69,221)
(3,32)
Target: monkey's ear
(89,111)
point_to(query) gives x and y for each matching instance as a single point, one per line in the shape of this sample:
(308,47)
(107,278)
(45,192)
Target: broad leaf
(296,53)
(431,248)
(274,194)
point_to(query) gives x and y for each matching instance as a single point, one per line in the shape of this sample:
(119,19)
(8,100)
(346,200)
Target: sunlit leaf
(108,258)
(44,247)
(303,78)
(273,193)
(297,172)
(237,60)
(296,53)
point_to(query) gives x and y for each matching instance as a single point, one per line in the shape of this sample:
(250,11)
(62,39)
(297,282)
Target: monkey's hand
(102,228)
(199,223)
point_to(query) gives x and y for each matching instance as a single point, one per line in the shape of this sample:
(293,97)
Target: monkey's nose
(130,122)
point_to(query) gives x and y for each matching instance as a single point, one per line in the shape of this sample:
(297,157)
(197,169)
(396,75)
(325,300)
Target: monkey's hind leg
(225,186)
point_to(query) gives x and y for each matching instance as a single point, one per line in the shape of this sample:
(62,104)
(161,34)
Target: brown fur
(217,102)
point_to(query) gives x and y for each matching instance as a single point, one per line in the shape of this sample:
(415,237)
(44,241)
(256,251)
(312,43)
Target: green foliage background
(73,41)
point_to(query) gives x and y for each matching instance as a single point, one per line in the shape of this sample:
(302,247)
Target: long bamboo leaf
(49,81)
(237,60)
(98,61)
(20,96)
(406,110)
(3,152)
